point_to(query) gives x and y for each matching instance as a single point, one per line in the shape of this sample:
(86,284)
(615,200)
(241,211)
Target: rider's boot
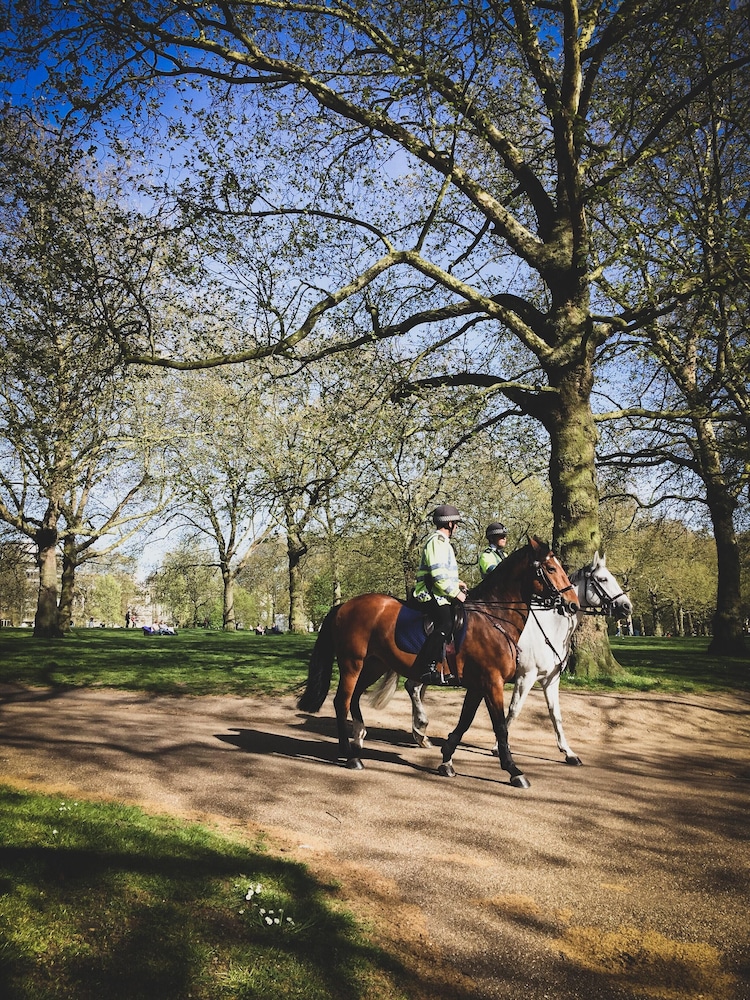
(429,663)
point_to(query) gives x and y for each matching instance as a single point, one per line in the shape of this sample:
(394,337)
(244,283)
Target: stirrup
(433,676)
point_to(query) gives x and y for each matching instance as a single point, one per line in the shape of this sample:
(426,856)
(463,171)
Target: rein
(523,608)
(553,601)
(560,659)
(496,622)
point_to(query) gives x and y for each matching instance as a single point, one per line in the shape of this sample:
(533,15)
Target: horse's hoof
(520,781)
(355,764)
(573,760)
(423,742)
(446,770)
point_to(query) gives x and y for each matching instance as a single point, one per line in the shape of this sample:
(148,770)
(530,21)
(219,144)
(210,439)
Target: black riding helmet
(496,530)
(446,514)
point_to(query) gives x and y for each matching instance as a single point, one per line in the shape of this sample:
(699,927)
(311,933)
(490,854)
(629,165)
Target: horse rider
(495,552)
(437,588)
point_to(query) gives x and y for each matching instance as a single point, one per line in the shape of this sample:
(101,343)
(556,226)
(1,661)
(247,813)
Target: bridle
(555,600)
(606,607)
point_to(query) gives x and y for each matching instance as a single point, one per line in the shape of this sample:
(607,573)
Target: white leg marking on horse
(358,733)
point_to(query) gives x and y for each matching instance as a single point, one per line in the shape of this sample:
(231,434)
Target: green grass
(100,900)
(670,665)
(200,662)
(195,661)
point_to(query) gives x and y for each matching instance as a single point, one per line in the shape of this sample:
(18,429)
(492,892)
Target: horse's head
(551,582)
(597,588)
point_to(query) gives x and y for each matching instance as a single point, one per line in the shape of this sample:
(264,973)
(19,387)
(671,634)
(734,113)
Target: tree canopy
(473,183)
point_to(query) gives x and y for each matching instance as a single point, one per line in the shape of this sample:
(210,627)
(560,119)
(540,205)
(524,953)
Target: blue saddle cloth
(409,634)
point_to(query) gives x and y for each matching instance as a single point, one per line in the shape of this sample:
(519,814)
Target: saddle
(413,626)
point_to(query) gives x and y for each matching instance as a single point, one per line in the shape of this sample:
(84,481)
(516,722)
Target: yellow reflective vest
(437,575)
(490,559)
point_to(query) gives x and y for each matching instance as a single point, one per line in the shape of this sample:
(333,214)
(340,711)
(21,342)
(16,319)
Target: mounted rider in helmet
(494,554)
(437,587)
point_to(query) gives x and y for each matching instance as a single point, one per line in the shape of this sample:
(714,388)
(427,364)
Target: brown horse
(361,634)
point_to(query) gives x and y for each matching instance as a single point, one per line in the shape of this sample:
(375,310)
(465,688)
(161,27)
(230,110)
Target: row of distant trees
(329,267)
(668,570)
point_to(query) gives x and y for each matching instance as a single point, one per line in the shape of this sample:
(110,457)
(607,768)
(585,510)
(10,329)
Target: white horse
(543,651)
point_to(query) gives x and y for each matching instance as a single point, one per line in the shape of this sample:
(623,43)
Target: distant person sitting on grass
(159,629)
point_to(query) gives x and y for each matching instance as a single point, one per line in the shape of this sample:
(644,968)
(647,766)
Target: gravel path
(625,878)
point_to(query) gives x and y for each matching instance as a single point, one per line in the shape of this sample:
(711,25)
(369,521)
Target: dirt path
(626,878)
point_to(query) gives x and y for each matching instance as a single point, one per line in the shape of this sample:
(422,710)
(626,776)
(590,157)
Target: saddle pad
(409,634)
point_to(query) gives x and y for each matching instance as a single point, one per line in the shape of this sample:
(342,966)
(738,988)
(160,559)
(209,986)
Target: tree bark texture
(296,549)
(228,616)
(46,625)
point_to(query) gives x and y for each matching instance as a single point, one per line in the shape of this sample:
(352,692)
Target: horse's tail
(384,690)
(320,669)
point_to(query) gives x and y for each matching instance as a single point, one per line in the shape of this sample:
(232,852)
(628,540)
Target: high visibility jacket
(490,559)
(437,575)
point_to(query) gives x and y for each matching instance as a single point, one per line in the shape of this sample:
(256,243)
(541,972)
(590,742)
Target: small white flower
(242,910)
(54,831)
(262,911)
(249,894)
(269,920)
(289,920)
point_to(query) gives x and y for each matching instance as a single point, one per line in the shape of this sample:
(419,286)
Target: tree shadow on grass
(123,911)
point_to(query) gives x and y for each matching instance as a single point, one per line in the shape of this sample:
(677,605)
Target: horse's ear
(536,543)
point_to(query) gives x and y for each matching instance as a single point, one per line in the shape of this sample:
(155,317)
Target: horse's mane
(498,580)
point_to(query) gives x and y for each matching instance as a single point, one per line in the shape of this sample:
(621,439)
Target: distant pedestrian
(127,618)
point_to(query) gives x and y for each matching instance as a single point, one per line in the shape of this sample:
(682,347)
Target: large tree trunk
(228,616)
(575,504)
(67,586)
(296,549)
(728,638)
(46,625)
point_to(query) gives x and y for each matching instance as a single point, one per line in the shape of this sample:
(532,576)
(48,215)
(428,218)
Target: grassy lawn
(101,900)
(200,662)
(195,661)
(673,665)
